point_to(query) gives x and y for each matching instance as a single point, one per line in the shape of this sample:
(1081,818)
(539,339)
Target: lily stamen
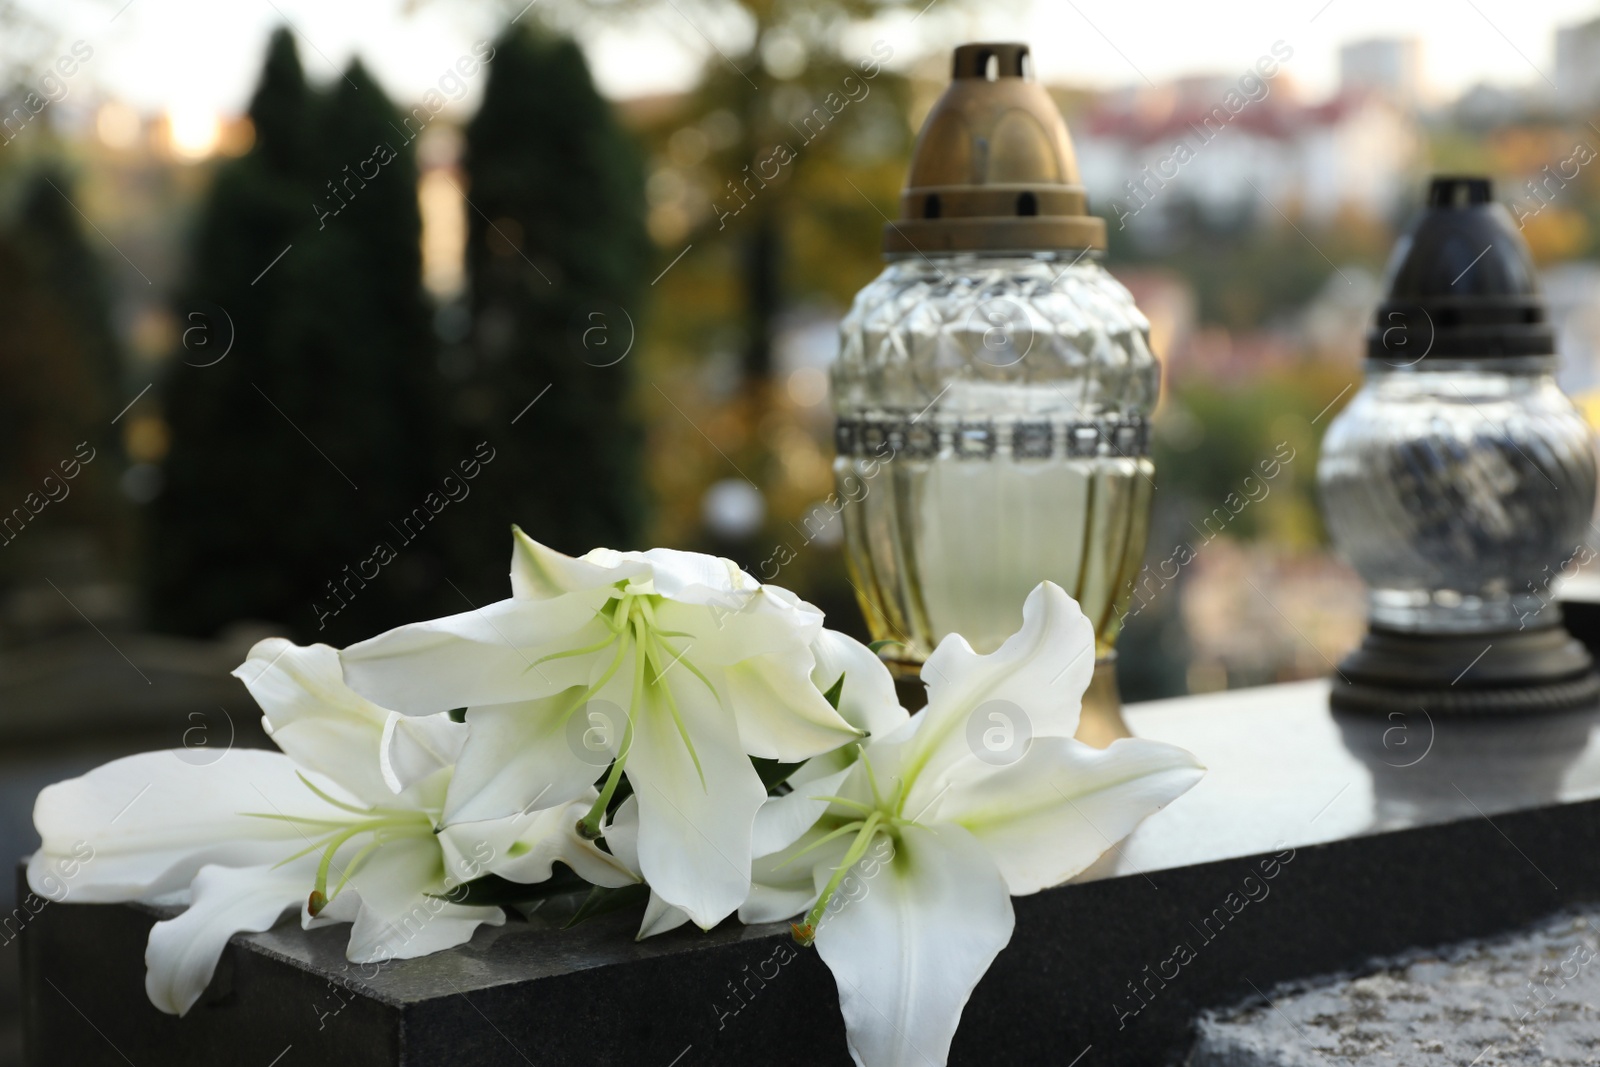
(589,825)
(677,721)
(872,778)
(858,848)
(831,835)
(414,823)
(863,808)
(598,646)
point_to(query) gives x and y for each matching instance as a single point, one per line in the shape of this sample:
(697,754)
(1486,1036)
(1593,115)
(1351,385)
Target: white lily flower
(670,667)
(868,704)
(908,857)
(344,823)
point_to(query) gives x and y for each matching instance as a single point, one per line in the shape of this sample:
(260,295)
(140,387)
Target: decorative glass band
(978,438)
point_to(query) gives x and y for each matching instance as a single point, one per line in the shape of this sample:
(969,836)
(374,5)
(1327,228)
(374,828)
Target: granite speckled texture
(1525,999)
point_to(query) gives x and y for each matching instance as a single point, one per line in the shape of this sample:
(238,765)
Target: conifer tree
(48,484)
(557,254)
(65,292)
(50,235)
(359,343)
(292,455)
(213,528)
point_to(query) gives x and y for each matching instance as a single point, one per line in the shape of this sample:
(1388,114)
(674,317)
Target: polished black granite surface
(1312,845)
(1282,768)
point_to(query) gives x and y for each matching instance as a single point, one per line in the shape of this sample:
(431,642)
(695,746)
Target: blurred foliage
(50,233)
(778,185)
(726,226)
(1208,440)
(1245,276)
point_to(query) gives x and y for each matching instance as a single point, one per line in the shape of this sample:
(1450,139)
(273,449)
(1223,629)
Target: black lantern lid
(1461,283)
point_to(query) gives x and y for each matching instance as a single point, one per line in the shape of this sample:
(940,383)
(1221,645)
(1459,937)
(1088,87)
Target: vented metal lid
(993,169)
(1462,283)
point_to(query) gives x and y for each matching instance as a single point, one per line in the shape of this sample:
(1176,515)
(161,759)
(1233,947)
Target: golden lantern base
(1101,722)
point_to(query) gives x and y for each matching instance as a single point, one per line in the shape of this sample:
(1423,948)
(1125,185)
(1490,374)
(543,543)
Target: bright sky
(203,55)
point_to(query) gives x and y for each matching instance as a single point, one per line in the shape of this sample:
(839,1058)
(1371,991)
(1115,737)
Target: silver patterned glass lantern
(993,389)
(1460,478)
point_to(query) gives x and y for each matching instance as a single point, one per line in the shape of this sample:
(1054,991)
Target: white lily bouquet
(662,726)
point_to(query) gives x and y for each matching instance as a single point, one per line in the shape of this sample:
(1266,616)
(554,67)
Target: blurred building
(1148,156)
(1485,106)
(1572,292)
(1388,66)
(1578,64)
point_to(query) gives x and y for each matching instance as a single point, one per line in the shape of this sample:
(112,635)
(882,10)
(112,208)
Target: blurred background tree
(50,401)
(50,234)
(60,379)
(768,187)
(296,457)
(722,228)
(556,258)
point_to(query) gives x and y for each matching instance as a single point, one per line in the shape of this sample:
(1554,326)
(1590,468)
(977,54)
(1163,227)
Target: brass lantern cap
(993,168)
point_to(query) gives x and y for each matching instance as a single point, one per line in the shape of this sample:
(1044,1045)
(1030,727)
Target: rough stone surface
(1527,998)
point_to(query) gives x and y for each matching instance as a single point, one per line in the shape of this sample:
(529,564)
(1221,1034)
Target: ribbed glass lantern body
(992,433)
(1456,489)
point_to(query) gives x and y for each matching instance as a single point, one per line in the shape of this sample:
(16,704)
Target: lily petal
(659,917)
(539,572)
(782,886)
(693,577)
(183,951)
(519,758)
(782,820)
(402,913)
(490,655)
(1039,673)
(150,822)
(417,747)
(694,835)
(524,848)
(1064,803)
(743,623)
(909,950)
(770,903)
(868,700)
(782,715)
(622,836)
(314,717)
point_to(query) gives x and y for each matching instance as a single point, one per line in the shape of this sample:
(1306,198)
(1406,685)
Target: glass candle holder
(1455,487)
(1460,477)
(993,389)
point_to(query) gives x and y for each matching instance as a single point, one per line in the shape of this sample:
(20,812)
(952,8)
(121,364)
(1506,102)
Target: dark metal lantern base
(1515,672)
